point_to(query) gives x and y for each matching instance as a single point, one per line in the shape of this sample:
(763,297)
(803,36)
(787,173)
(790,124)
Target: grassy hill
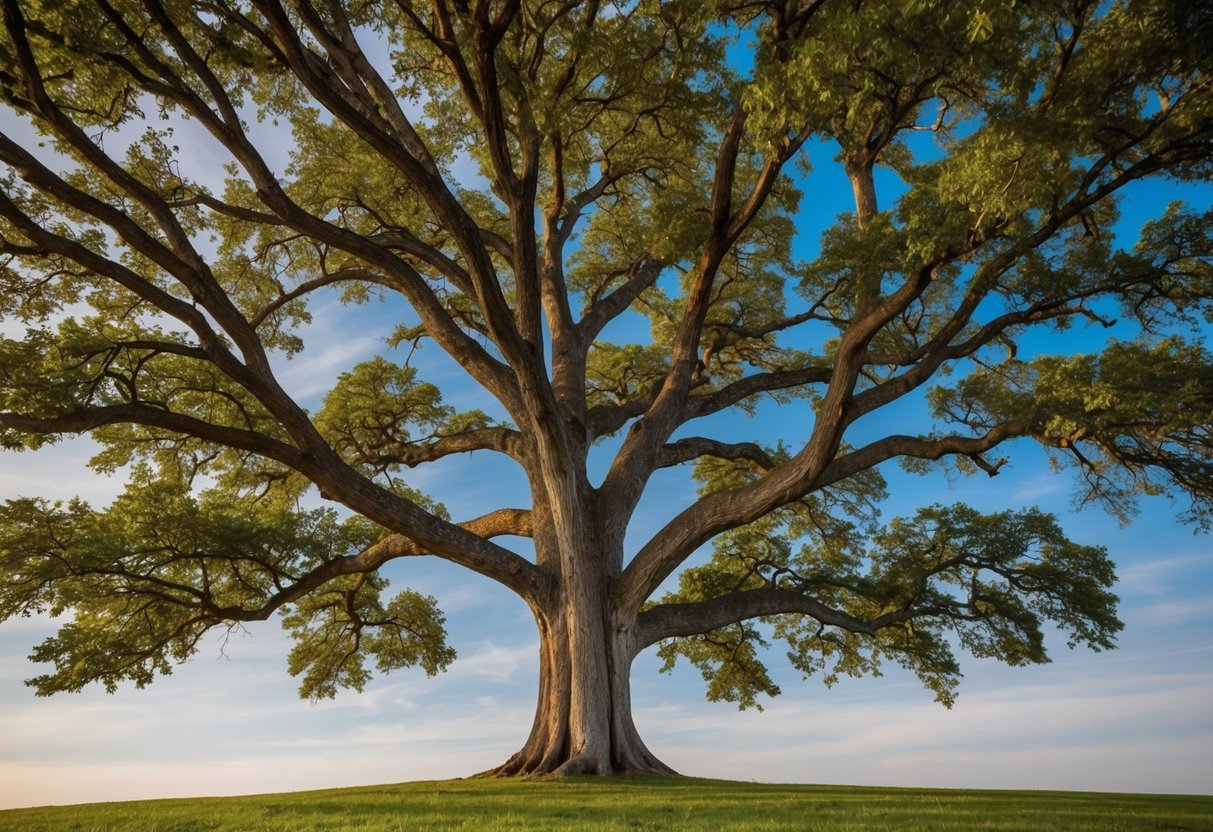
(643,804)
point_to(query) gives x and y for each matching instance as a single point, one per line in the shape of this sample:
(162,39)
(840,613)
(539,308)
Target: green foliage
(949,576)
(1131,420)
(616,374)
(370,410)
(338,627)
(729,657)
(144,580)
(1173,269)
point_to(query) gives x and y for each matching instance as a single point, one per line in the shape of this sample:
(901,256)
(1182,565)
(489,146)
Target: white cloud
(1167,613)
(1155,577)
(495,664)
(1031,491)
(26,784)
(1037,736)
(57,471)
(334,343)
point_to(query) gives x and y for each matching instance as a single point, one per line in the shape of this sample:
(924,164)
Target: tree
(526,180)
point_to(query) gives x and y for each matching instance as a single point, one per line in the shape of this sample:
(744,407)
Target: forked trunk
(583,719)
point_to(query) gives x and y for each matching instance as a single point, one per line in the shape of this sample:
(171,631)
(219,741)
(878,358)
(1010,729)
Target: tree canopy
(597,210)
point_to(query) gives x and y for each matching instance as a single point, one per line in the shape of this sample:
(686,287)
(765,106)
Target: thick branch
(177,256)
(635,461)
(605,420)
(688,619)
(604,310)
(502,522)
(314,73)
(503,440)
(399,238)
(734,507)
(920,447)
(692,448)
(744,388)
(51,243)
(86,420)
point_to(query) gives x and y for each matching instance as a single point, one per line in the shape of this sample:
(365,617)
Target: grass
(632,805)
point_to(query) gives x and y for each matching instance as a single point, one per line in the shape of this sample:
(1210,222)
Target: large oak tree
(521,181)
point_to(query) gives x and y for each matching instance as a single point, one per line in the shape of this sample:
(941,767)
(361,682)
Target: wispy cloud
(1175,612)
(1031,491)
(1031,737)
(57,471)
(335,342)
(495,663)
(1158,576)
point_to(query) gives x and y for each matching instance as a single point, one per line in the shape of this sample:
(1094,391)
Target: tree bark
(583,718)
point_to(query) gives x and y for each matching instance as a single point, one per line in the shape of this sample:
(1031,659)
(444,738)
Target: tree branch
(919,447)
(601,312)
(692,448)
(673,620)
(708,403)
(502,440)
(720,511)
(85,420)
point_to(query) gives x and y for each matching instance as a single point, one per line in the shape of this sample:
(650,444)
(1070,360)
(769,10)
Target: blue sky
(230,721)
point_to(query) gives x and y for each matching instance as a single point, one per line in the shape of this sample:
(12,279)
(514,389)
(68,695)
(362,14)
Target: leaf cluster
(1133,419)
(910,593)
(338,627)
(142,581)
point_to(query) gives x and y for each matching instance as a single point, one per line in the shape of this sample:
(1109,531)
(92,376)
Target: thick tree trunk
(583,720)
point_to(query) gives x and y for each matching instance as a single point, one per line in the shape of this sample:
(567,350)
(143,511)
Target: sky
(1137,719)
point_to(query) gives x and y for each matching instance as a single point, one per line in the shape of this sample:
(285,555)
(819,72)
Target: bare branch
(644,273)
(692,448)
(502,440)
(707,403)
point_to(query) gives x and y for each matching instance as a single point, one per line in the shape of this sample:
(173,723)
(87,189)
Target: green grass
(642,804)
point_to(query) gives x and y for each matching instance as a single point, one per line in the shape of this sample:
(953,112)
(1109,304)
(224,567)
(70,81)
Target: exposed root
(581,765)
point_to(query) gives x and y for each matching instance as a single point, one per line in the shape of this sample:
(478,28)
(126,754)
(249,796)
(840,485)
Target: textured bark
(583,718)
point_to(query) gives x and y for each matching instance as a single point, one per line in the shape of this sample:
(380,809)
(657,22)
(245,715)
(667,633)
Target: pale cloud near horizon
(219,729)
(1034,736)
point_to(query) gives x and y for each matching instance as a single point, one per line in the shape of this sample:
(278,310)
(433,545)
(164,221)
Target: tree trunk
(583,719)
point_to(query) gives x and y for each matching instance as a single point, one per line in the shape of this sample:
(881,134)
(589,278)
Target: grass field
(642,804)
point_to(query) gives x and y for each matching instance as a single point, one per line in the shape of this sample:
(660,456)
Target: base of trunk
(583,718)
(521,765)
(556,748)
